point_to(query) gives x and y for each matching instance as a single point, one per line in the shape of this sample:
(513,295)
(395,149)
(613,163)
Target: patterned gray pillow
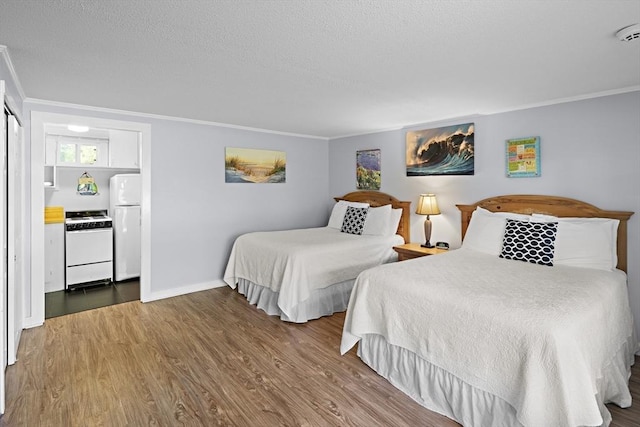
(354,218)
(532,242)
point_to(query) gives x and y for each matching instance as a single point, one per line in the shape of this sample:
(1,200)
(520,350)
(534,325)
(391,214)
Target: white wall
(590,151)
(195,215)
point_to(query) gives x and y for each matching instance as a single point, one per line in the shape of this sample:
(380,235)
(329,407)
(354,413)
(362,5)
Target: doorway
(39,175)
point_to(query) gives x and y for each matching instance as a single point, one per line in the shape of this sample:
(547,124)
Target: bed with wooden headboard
(490,340)
(304,274)
(551,205)
(378,198)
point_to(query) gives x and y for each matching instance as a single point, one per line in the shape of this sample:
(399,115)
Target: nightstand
(414,250)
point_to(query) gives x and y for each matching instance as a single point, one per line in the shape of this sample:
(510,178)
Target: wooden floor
(206,359)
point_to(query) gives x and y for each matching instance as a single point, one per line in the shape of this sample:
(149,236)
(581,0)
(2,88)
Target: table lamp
(427,205)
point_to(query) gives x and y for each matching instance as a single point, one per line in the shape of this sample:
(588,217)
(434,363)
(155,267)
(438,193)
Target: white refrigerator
(125,193)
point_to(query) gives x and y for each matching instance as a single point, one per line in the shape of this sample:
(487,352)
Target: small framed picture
(523,157)
(368,169)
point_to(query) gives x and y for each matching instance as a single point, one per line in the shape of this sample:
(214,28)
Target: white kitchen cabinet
(50,150)
(50,177)
(54,257)
(124,149)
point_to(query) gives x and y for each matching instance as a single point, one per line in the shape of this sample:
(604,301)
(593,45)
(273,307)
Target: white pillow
(377,220)
(486,230)
(394,221)
(338,211)
(585,242)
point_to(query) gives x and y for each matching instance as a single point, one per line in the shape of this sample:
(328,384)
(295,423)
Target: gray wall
(590,151)
(195,215)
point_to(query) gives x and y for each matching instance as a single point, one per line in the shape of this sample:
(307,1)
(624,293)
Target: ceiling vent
(627,34)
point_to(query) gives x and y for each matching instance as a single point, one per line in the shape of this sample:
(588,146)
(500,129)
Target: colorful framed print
(368,170)
(523,157)
(441,151)
(248,165)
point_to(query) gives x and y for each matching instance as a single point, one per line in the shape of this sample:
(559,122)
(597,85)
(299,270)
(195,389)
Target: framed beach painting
(368,169)
(445,150)
(523,157)
(248,165)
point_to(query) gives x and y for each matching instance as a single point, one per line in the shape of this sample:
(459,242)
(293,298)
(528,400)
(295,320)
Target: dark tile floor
(62,302)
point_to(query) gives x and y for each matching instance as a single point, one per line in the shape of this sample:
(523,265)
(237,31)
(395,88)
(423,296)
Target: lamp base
(427,233)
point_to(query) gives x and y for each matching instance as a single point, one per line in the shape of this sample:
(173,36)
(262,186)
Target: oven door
(89,246)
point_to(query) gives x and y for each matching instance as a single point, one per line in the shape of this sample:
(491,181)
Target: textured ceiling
(324,68)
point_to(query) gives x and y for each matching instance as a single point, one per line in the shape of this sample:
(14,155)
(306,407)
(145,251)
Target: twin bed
(305,274)
(496,333)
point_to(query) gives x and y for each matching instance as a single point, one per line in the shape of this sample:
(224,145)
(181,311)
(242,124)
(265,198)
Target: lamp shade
(427,205)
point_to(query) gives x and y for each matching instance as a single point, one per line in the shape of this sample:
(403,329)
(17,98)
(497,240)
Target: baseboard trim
(183,290)
(30,322)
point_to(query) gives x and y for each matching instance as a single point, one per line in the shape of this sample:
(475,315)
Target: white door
(15,238)
(3,239)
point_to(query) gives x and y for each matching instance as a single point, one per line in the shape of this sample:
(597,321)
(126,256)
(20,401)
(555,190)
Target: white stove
(88,249)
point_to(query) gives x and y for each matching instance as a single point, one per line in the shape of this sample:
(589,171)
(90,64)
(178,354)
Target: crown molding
(35,101)
(569,99)
(4,52)
(446,121)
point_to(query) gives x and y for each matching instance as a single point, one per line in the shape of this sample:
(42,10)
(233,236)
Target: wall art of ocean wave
(442,151)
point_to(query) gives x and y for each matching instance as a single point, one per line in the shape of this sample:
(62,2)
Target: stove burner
(87,220)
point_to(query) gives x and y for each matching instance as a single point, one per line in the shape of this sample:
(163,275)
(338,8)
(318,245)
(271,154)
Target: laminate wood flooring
(207,358)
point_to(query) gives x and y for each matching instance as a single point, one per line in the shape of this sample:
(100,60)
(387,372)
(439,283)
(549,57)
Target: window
(82,152)
(88,154)
(67,153)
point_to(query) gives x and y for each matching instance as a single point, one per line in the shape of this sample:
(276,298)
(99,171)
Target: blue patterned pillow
(354,219)
(532,242)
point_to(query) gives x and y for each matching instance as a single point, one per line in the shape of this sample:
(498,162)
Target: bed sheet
(536,337)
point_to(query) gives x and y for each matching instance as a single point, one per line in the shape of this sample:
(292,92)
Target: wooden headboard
(551,205)
(375,199)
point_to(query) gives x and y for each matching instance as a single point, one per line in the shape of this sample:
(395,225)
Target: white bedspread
(536,336)
(296,262)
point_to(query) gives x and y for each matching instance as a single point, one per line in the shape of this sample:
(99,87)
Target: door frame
(16,220)
(35,313)
(3,301)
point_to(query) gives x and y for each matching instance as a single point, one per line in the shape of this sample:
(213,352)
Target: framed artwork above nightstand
(414,250)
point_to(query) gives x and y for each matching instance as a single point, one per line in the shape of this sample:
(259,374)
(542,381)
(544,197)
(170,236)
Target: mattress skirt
(438,390)
(321,302)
